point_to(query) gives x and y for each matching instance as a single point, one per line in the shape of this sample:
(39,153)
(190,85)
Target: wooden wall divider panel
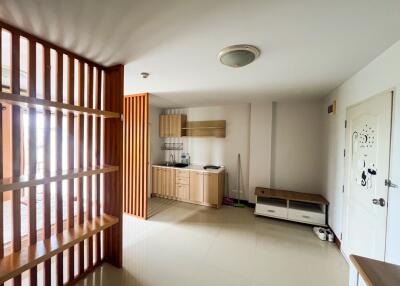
(136,113)
(92,215)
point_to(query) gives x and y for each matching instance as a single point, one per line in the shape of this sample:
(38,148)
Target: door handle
(388,183)
(380,202)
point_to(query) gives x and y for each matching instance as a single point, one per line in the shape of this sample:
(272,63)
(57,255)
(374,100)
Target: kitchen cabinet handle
(306,216)
(270,211)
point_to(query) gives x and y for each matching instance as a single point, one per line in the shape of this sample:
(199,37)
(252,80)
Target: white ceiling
(307,47)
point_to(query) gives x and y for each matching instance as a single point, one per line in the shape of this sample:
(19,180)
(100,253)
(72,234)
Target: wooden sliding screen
(136,117)
(64,214)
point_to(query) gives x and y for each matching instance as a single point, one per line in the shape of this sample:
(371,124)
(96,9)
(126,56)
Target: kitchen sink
(180,165)
(177,165)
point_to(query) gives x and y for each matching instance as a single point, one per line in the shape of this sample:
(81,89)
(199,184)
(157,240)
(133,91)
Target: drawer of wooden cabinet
(182,191)
(182,181)
(182,174)
(271,210)
(307,216)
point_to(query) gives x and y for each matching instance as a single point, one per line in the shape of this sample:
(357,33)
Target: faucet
(172,158)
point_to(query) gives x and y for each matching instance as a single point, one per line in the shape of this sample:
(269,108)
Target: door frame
(346,168)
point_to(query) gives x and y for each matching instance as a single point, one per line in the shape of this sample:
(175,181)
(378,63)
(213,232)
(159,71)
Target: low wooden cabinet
(171,125)
(194,186)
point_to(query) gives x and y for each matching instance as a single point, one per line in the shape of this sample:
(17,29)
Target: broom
(239,204)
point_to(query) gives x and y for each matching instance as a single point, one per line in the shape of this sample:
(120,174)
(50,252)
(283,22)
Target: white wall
(260,146)
(381,74)
(296,163)
(156,155)
(220,151)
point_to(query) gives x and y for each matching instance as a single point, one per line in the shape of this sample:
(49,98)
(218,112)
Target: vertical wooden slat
(16,147)
(59,151)
(140,171)
(89,212)
(46,189)
(71,152)
(98,158)
(132,153)
(114,87)
(125,157)
(146,154)
(32,155)
(137,154)
(1,155)
(81,95)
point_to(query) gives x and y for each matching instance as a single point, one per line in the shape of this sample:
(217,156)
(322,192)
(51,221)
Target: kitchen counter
(198,168)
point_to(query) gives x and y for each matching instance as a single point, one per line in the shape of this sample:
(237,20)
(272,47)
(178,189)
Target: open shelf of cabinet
(18,262)
(9,184)
(43,104)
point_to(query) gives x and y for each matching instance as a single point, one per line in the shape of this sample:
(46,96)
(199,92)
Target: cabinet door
(156,180)
(211,188)
(196,187)
(170,183)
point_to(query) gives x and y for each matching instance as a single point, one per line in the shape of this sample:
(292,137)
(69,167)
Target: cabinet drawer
(182,191)
(182,181)
(307,216)
(270,210)
(182,174)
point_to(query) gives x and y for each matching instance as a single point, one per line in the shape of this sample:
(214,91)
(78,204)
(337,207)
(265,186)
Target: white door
(367,167)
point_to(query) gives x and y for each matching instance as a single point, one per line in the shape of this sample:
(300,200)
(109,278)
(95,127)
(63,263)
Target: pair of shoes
(320,232)
(324,233)
(330,235)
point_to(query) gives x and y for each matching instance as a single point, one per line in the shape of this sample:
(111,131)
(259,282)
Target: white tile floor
(184,244)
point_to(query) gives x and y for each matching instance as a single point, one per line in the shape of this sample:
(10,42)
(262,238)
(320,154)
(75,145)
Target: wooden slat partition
(77,227)
(136,113)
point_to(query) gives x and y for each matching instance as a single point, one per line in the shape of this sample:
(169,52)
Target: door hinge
(341,236)
(344,153)
(345,124)
(343,189)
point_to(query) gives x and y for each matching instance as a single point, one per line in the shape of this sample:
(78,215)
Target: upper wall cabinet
(171,125)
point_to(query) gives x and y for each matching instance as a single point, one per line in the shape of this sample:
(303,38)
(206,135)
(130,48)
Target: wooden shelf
(376,273)
(30,102)
(16,263)
(291,196)
(9,184)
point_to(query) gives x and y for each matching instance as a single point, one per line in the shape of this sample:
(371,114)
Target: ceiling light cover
(238,55)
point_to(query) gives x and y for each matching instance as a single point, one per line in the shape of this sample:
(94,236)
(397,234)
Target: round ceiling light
(238,55)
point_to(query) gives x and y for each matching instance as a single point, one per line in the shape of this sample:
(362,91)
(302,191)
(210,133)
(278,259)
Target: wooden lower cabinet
(205,188)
